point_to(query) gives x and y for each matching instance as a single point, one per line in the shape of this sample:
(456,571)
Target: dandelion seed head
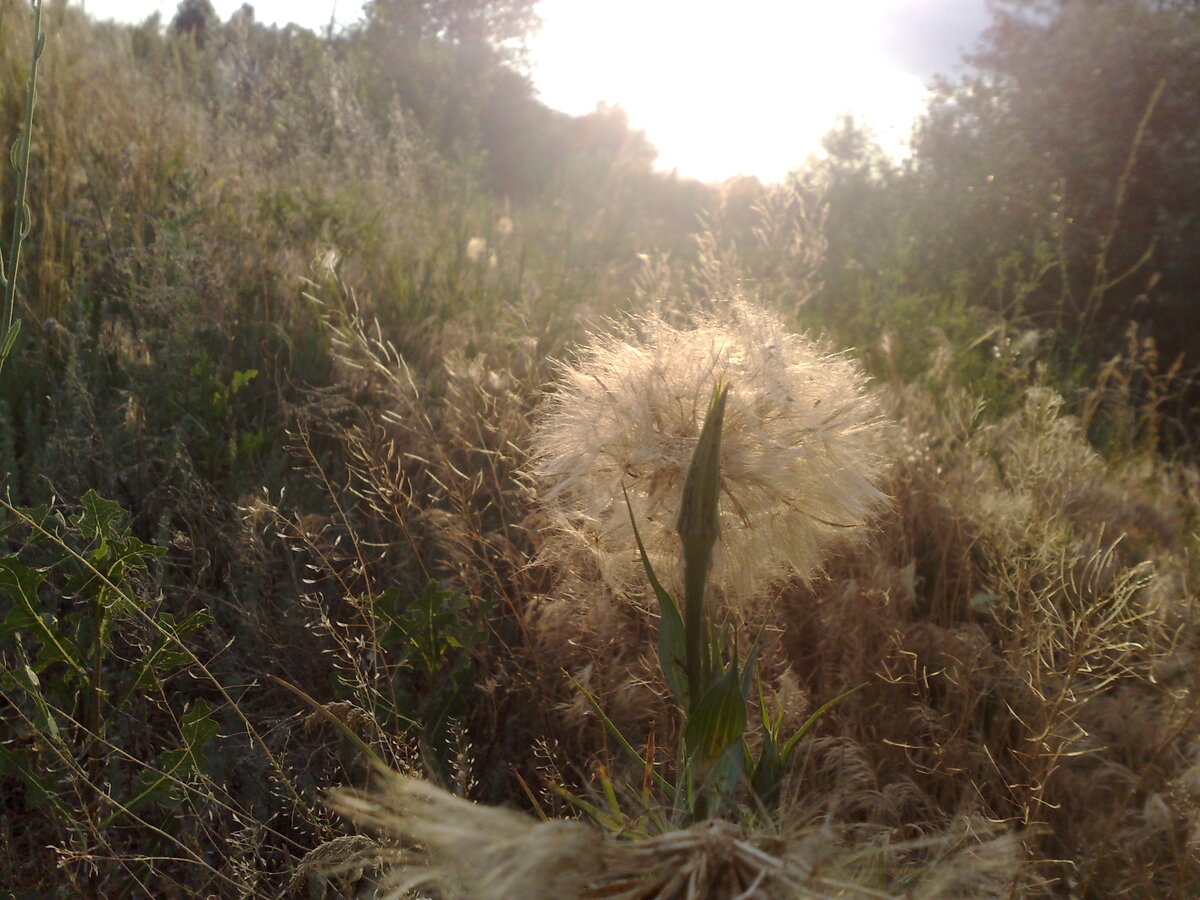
(799,456)
(476,247)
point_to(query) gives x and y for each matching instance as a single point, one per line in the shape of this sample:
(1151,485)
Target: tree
(195,19)
(1075,127)
(501,25)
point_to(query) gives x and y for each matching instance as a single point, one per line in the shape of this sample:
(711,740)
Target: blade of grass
(337,723)
(662,783)
(812,720)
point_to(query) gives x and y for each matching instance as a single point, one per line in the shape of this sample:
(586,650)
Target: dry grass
(1020,620)
(458,849)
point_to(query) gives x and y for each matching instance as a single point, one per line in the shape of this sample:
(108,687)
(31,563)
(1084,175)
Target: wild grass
(270,425)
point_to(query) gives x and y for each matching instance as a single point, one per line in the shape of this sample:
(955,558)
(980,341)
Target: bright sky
(721,87)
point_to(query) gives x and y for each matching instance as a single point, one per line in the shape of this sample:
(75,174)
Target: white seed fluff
(799,458)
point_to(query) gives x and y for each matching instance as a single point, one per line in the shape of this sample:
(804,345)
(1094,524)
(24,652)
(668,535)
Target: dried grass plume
(467,850)
(463,851)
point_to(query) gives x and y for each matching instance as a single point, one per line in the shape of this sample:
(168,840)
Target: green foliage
(1045,207)
(771,768)
(699,526)
(93,559)
(430,639)
(496,24)
(165,783)
(209,423)
(1072,127)
(712,759)
(76,593)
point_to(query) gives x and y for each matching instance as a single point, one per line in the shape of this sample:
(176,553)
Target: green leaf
(620,739)
(672,648)
(768,771)
(722,779)
(112,552)
(166,654)
(598,815)
(718,719)
(44,523)
(241,379)
(100,519)
(10,339)
(21,583)
(812,720)
(177,632)
(26,679)
(749,671)
(699,520)
(699,524)
(198,728)
(672,643)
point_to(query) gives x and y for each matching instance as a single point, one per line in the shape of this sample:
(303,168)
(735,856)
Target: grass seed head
(465,849)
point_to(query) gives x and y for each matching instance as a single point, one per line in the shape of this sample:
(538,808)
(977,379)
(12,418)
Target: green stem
(21,215)
(95,717)
(695,580)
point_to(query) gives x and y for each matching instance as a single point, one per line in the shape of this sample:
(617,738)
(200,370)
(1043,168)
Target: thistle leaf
(21,583)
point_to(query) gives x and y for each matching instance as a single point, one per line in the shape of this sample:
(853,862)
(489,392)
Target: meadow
(305,390)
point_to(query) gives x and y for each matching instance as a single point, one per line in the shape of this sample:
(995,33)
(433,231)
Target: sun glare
(720,88)
(723,89)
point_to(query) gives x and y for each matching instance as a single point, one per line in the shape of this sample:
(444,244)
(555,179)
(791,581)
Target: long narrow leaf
(672,645)
(620,739)
(10,338)
(335,722)
(718,719)
(812,720)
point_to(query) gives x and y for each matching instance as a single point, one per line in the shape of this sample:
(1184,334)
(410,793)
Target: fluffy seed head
(799,454)
(476,247)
